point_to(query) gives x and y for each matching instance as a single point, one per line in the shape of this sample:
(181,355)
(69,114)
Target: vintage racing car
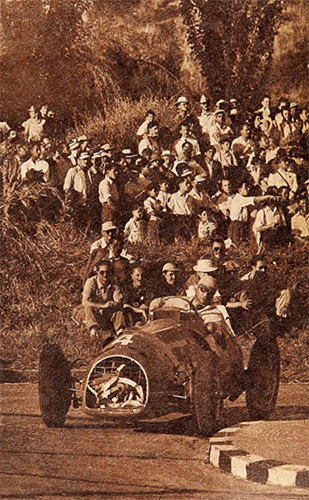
(174,362)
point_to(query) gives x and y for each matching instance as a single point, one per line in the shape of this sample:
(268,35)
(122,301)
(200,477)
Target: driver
(205,291)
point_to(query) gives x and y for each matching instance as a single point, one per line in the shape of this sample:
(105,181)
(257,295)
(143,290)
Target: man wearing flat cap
(101,248)
(170,283)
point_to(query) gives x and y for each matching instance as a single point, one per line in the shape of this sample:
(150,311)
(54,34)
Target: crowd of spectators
(224,176)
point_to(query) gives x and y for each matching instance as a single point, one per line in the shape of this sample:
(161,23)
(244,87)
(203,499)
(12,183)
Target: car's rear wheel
(206,401)
(54,384)
(263,378)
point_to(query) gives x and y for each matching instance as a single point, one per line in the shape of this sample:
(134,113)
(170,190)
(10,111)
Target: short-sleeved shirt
(135,231)
(108,191)
(301,223)
(33,128)
(38,166)
(239,206)
(151,207)
(76,180)
(95,292)
(98,244)
(178,204)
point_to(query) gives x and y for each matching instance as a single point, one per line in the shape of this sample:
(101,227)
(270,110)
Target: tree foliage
(78,55)
(44,54)
(233,41)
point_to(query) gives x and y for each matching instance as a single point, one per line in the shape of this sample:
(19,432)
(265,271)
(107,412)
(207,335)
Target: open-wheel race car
(174,362)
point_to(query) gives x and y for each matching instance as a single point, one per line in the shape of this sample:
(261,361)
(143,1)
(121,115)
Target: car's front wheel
(54,384)
(263,378)
(205,395)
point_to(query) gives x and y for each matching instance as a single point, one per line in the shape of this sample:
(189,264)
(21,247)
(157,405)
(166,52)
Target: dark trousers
(238,232)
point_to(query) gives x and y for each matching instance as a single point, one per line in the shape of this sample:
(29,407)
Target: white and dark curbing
(224,455)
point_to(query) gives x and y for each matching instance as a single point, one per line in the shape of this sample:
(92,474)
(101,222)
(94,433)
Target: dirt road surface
(91,460)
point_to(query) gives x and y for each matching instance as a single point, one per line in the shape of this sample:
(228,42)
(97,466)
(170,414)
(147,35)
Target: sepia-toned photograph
(154,170)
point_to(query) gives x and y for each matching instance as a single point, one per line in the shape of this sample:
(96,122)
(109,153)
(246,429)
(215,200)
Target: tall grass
(122,118)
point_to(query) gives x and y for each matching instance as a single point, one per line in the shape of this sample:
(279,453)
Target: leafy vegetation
(233,41)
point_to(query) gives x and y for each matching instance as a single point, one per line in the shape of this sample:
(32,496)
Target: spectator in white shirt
(206,116)
(269,225)
(219,128)
(242,146)
(77,183)
(108,194)
(300,221)
(238,229)
(143,129)
(184,130)
(35,169)
(283,177)
(178,204)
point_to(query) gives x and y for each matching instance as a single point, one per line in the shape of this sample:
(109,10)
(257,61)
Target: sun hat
(205,266)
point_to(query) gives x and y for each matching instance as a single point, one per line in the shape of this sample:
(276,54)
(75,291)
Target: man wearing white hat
(74,147)
(107,150)
(108,232)
(206,116)
(33,127)
(84,142)
(203,267)
(183,108)
(198,197)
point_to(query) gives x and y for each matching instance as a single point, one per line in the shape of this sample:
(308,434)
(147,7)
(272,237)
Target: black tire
(262,378)
(206,401)
(54,384)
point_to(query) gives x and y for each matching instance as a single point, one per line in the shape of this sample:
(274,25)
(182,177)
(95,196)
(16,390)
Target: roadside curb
(224,455)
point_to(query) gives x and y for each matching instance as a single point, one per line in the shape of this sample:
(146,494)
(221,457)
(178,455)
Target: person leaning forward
(102,303)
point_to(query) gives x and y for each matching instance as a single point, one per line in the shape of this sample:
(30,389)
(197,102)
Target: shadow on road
(10,376)
(230,416)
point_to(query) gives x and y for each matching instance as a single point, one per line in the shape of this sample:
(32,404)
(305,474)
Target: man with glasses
(205,291)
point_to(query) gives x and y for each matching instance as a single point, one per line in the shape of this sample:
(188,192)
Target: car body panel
(160,358)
